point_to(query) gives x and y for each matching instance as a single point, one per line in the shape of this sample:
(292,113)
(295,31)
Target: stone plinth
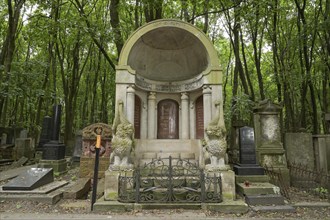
(228,185)
(59,166)
(299,148)
(111,184)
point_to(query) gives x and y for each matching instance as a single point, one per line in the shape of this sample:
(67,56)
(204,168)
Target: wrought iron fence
(312,181)
(276,178)
(170,180)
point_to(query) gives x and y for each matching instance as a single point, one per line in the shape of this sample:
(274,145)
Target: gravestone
(31,179)
(247,147)
(46,132)
(248,163)
(87,159)
(53,152)
(269,146)
(299,148)
(77,147)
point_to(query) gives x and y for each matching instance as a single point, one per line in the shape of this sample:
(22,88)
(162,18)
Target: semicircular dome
(168,54)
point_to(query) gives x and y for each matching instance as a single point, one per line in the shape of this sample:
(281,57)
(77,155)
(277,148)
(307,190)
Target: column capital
(184,96)
(207,89)
(131,89)
(152,95)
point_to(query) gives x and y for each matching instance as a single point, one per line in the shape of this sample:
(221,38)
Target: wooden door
(137,117)
(168,119)
(199,118)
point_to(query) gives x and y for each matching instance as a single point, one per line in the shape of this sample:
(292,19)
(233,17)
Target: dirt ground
(68,206)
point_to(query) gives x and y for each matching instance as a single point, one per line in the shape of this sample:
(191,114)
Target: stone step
(270,199)
(257,188)
(278,208)
(252,178)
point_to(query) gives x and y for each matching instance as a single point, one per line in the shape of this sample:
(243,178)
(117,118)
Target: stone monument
(169,87)
(247,154)
(53,152)
(269,147)
(87,158)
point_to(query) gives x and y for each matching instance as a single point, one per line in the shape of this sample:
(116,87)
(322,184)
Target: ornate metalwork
(170,180)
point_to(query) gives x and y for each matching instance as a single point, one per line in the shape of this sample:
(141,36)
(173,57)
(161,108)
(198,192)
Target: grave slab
(9,174)
(40,190)
(31,179)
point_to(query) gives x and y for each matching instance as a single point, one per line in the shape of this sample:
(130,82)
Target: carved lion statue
(215,142)
(122,143)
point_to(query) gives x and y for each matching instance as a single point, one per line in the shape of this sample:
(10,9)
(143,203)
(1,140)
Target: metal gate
(170,180)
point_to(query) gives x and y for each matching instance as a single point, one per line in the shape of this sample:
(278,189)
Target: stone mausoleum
(169,106)
(169,81)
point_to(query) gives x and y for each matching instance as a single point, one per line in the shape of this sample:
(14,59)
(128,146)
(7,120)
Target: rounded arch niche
(168,51)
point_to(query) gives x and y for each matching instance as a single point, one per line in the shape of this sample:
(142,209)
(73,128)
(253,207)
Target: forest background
(65,52)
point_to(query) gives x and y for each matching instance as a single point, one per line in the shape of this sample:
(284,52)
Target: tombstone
(77,147)
(46,132)
(23,133)
(269,146)
(299,148)
(247,154)
(87,158)
(53,152)
(3,139)
(31,179)
(24,147)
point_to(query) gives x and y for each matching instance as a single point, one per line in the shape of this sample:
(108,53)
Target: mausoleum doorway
(168,119)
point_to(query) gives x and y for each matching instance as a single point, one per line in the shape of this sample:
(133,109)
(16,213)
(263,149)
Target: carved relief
(89,140)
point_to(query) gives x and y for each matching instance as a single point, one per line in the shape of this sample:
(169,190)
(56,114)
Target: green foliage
(57,57)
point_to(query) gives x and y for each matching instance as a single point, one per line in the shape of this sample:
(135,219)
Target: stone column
(207,99)
(130,106)
(151,115)
(185,115)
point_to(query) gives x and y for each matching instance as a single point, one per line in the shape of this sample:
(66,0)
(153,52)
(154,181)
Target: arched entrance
(168,119)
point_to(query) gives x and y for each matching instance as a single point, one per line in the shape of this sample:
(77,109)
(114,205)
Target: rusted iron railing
(313,181)
(277,179)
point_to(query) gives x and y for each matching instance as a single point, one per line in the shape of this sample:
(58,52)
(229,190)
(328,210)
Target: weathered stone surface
(24,147)
(47,188)
(282,208)
(252,178)
(269,199)
(299,148)
(50,198)
(9,174)
(59,166)
(86,168)
(53,150)
(78,190)
(31,179)
(257,189)
(111,183)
